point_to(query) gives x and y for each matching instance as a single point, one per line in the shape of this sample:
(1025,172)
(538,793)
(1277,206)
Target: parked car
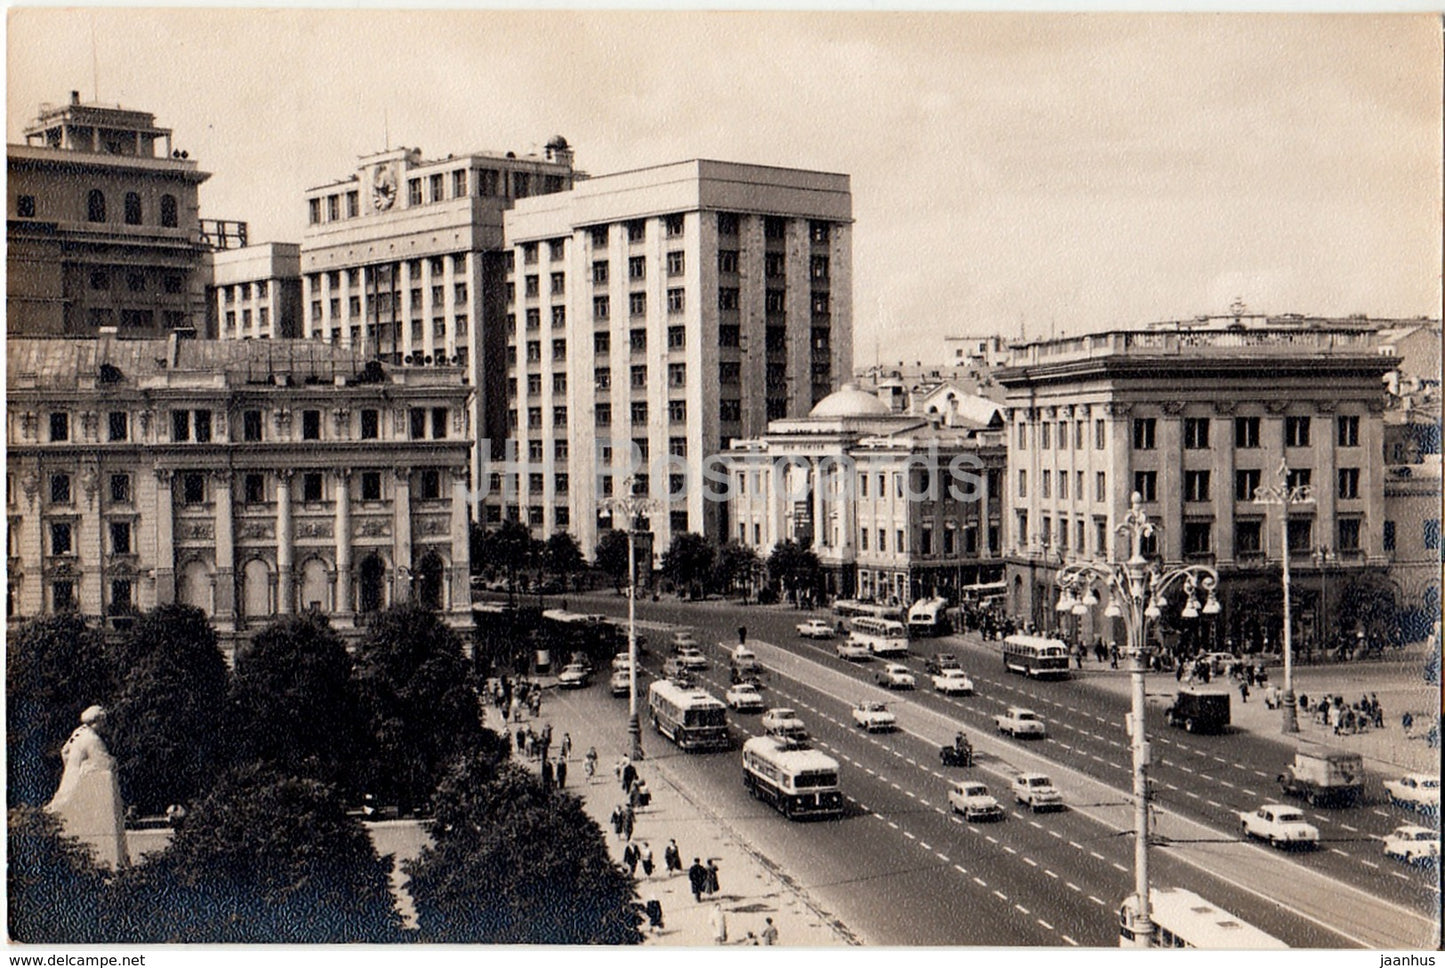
(745,698)
(691,658)
(1281,825)
(972,799)
(874,716)
(816,628)
(853,651)
(895,676)
(574,676)
(1017,721)
(782,721)
(939,662)
(1413,845)
(1038,792)
(953,682)
(1415,791)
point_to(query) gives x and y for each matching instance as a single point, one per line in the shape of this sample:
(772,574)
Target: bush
(55,893)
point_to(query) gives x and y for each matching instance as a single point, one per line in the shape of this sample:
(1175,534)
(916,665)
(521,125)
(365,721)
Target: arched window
(132,208)
(168,211)
(95,205)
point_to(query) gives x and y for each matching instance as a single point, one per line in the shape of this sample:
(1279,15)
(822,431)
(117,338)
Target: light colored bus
(881,636)
(928,617)
(1036,656)
(690,717)
(1183,919)
(792,776)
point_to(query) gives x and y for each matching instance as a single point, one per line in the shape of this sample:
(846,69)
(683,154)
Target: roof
(850,401)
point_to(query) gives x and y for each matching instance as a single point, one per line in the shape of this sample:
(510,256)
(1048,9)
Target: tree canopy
(55,894)
(688,562)
(611,556)
(795,567)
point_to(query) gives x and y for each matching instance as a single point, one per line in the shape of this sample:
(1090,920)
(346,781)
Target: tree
(735,566)
(688,562)
(421,707)
(55,667)
(562,557)
(611,556)
(55,893)
(294,704)
(513,863)
(796,568)
(510,546)
(168,727)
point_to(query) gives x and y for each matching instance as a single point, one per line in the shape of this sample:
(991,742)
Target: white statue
(87,802)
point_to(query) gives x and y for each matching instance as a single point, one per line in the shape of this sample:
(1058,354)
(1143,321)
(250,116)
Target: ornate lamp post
(1287,497)
(1136,593)
(631,505)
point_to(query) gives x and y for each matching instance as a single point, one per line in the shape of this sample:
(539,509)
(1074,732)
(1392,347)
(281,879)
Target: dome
(850,400)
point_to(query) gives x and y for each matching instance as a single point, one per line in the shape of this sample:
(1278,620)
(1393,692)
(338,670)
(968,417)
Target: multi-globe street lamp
(1136,591)
(632,506)
(1282,493)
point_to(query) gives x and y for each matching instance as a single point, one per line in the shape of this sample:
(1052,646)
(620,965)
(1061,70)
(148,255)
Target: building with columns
(897,506)
(1196,421)
(250,479)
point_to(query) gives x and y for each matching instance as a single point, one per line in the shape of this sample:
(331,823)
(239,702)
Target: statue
(87,802)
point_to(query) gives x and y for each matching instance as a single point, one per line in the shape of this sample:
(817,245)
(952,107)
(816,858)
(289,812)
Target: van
(1199,710)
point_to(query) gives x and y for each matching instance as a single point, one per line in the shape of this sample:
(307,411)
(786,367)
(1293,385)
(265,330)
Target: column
(284,550)
(819,515)
(165,539)
(769,479)
(983,520)
(401,536)
(89,533)
(32,546)
(460,597)
(341,603)
(225,551)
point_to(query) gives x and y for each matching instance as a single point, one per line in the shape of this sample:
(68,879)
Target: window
(1349,483)
(1100,486)
(313,210)
(730,411)
(1246,485)
(459,183)
(253,488)
(25,206)
(1144,434)
(775,227)
(601,343)
(677,374)
(1246,432)
(1196,433)
(1145,482)
(119,425)
(637,268)
(677,411)
(100,279)
(1198,537)
(729,336)
(636,230)
(1101,537)
(727,261)
(532,285)
(639,411)
(1387,536)
(638,340)
(136,282)
(1297,478)
(559,349)
(775,300)
(1301,534)
(168,211)
(1196,485)
(251,426)
(676,300)
(120,537)
(637,304)
(413,191)
(1045,435)
(1348,431)
(882,540)
(439,423)
(430,485)
(193,488)
(1348,534)
(727,298)
(1296,431)
(534,319)
(818,232)
(180,425)
(1432,534)
(727,223)
(559,383)
(1248,537)
(534,418)
(120,488)
(675,263)
(774,265)
(333,208)
(604,415)
(371,485)
(673,226)
(639,377)
(59,427)
(132,208)
(353,204)
(95,206)
(600,307)
(59,488)
(1046,484)
(729,374)
(599,272)
(1023,436)
(559,417)
(862,539)
(60,543)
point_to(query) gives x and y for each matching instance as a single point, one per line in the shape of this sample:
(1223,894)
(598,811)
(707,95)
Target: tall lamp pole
(632,505)
(1136,591)
(1286,497)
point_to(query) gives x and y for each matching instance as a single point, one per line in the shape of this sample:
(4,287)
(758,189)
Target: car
(1017,721)
(971,798)
(874,716)
(683,639)
(1038,792)
(1416,791)
(691,658)
(953,682)
(1413,845)
(1280,825)
(853,651)
(621,683)
(574,676)
(895,676)
(621,661)
(783,721)
(745,698)
(940,662)
(816,628)
(1219,662)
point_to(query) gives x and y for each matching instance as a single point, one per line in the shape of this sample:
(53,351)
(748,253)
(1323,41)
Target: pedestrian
(590,763)
(566,748)
(770,930)
(654,913)
(712,887)
(1407,722)
(697,875)
(1243,691)
(629,820)
(1377,715)
(645,858)
(521,740)
(1179,672)
(672,857)
(561,773)
(1113,656)
(617,821)
(629,773)
(719,922)
(630,858)
(547,774)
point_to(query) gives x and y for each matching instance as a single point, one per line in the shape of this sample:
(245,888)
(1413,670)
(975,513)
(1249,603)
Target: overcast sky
(1068,172)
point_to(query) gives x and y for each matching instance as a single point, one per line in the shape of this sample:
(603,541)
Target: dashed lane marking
(1069,940)
(980,881)
(1214,803)
(1056,834)
(1036,824)
(1096,856)
(1120,867)
(909,835)
(1009,849)
(1031,862)
(1073,887)
(1336,850)
(1023,909)
(959,869)
(1399,875)
(1051,873)
(1000,895)
(1370,864)
(893,824)
(1349,828)
(1047,925)
(1097,901)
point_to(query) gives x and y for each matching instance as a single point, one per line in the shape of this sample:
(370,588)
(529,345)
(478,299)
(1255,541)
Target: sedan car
(782,721)
(1038,792)
(1417,791)
(691,658)
(853,651)
(574,676)
(953,682)
(1413,845)
(972,799)
(816,628)
(874,716)
(940,661)
(683,639)
(1281,825)
(745,698)
(621,683)
(895,676)
(1219,662)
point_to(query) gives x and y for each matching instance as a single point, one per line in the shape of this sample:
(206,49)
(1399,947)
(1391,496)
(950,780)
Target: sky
(1011,173)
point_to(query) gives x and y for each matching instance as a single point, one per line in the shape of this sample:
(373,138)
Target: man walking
(561,773)
(672,857)
(697,879)
(770,930)
(712,887)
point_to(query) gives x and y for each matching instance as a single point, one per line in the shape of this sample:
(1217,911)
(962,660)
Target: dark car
(940,661)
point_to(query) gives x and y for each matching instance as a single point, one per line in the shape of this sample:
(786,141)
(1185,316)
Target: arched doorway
(315,586)
(371,576)
(429,578)
(195,586)
(256,589)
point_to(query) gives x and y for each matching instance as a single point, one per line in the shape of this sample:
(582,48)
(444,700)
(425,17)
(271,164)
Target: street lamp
(633,506)
(1286,497)
(1136,593)
(1324,556)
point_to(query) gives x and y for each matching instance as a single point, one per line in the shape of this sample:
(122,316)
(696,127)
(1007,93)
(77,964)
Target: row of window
(636,230)
(636,270)
(488,182)
(637,304)
(390,303)
(242,290)
(136,280)
(385,273)
(1198,536)
(1196,432)
(196,425)
(775,227)
(1196,484)
(97,208)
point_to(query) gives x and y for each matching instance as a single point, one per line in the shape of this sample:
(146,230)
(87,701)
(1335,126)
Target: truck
(1325,777)
(1199,711)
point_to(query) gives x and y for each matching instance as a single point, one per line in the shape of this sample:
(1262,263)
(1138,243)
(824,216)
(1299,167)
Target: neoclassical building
(250,479)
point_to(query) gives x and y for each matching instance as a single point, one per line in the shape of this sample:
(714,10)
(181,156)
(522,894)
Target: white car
(691,658)
(1038,792)
(621,662)
(972,799)
(1413,844)
(575,676)
(895,676)
(1416,791)
(745,698)
(621,683)
(874,716)
(953,682)
(1281,825)
(683,639)
(1018,721)
(816,628)
(853,651)
(782,721)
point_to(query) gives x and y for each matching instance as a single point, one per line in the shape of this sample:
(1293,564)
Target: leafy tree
(55,893)
(796,568)
(167,728)
(562,557)
(510,546)
(421,706)
(611,556)
(735,567)
(512,863)
(688,562)
(54,668)
(294,704)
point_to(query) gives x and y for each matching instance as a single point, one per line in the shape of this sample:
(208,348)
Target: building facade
(1197,422)
(250,479)
(254,292)
(654,316)
(103,226)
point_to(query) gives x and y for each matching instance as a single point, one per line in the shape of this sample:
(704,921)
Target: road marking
(1073,887)
(909,835)
(924,802)
(1076,845)
(1031,862)
(1096,901)
(1055,833)
(1000,895)
(959,869)
(1248,793)
(1349,828)
(1046,924)
(1214,803)
(1336,850)
(991,838)
(1120,867)
(1022,908)
(1035,823)
(893,825)
(1069,940)
(925,846)
(980,882)
(1009,849)
(1096,856)
(1369,864)
(1051,873)
(1191,794)
(1399,875)
(1226,783)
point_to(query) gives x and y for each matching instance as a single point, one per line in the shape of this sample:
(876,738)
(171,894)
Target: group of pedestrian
(514,698)
(1345,719)
(537,744)
(702,880)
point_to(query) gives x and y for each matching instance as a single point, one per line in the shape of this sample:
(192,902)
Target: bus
(881,636)
(928,617)
(1036,656)
(689,716)
(1183,919)
(847,608)
(795,778)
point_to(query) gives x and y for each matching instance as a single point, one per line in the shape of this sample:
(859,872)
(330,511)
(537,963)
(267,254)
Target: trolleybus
(881,636)
(1183,919)
(928,617)
(690,717)
(792,776)
(1036,657)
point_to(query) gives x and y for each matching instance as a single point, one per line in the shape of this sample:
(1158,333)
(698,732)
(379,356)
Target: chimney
(74,97)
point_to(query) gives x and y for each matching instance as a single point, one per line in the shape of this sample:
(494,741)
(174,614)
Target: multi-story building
(402,261)
(249,479)
(103,226)
(897,506)
(1196,422)
(254,292)
(654,316)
